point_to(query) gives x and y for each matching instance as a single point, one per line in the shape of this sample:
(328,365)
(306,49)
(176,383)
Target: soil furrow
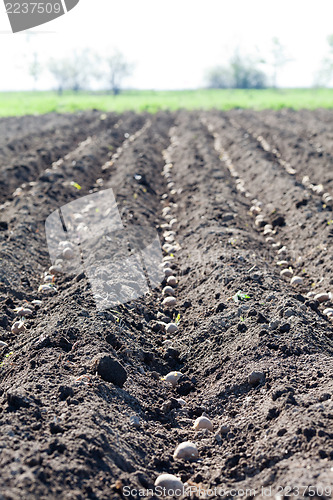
(215,333)
(24,218)
(127,342)
(286,199)
(296,143)
(25,158)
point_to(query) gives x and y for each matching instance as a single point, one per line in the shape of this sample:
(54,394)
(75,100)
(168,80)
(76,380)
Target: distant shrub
(241,73)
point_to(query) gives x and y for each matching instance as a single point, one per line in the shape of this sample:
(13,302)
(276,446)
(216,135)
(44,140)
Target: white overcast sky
(173,42)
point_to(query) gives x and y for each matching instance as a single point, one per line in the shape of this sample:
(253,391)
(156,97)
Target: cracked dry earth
(242,203)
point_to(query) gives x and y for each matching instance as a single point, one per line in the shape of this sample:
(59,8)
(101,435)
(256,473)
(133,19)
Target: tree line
(80,69)
(246,72)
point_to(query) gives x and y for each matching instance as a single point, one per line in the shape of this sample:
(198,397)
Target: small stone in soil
(203,423)
(186,451)
(170,483)
(296,280)
(23,311)
(54,270)
(172,281)
(68,253)
(169,301)
(256,378)
(274,325)
(18,327)
(172,378)
(322,297)
(37,302)
(171,328)
(135,421)
(286,273)
(48,278)
(283,263)
(224,429)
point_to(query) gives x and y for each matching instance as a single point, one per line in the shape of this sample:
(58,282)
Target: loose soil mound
(84,409)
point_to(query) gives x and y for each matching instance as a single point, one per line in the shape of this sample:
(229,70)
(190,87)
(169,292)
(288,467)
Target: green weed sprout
(240,296)
(6,356)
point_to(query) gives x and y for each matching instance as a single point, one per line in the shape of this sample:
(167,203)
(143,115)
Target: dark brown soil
(65,406)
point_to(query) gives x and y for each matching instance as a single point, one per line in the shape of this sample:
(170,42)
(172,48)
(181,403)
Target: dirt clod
(256,378)
(109,369)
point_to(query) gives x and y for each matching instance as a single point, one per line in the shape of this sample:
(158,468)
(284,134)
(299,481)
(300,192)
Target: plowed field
(242,202)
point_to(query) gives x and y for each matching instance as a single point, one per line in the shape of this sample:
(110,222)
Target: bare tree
(117,70)
(83,69)
(62,73)
(279,58)
(35,69)
(324,75)
(75,72)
